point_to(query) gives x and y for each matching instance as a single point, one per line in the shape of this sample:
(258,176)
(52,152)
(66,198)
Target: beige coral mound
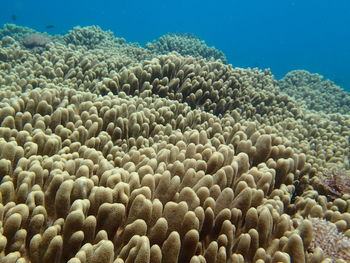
(210,86)
(252,93)
(16,32)
(90,37)
(110,154)
(186,45)
(76,67)
(315,92)
(103,179)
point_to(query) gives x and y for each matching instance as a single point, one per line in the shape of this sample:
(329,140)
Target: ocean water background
(281,35)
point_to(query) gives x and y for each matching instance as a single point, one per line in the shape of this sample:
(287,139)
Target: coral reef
(168,179)
(186,45)
(251,94)
(91,37)
(334,182)
(16,32)
(248,94)
(326,236)
(35,40)
(109,153)
(315,93)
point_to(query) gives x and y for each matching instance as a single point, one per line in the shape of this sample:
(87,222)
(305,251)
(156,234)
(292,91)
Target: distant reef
(315,92)
(186,45)
(112,152)
(94,37)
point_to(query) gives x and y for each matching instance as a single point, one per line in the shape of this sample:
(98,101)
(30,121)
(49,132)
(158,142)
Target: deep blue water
(280,34)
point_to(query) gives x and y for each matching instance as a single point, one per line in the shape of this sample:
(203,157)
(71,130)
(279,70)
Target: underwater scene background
(174,132)
(281,35)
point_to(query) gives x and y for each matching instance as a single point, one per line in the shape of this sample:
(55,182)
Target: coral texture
(90,36)
(186,45)
(334,181)
(111,154)
(315,92)
(16,32)
(138,176)
(35,40)
(326,236)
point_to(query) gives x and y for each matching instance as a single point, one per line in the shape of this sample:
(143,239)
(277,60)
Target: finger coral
(315,92)
(124,157)
(122,174)
(90,36)
(186,45)
(101,171)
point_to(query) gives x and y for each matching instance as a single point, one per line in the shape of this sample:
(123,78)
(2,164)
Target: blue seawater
(281,35)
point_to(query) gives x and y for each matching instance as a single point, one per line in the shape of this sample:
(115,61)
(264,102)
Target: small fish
(13,17)
(49,26)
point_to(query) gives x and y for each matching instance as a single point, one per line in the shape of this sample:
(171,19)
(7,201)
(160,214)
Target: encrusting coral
(35,40)
(121,157)
(328,238)
(334,182)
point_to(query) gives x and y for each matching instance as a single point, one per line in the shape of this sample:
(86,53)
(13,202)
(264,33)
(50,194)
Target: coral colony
(111,152)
